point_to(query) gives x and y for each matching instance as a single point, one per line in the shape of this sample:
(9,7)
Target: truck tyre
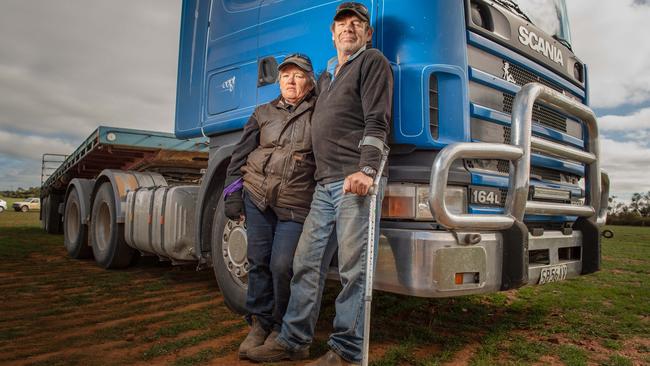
(75,233)
(2,209)
(51,217)
(24,208)
(44,213)
(106,235)
(229,260)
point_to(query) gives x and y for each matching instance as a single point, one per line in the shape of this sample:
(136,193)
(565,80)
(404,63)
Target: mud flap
(514,269)
(590,245)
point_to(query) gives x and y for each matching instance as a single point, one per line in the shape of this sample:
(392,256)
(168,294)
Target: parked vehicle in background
(28,204)
(3,205)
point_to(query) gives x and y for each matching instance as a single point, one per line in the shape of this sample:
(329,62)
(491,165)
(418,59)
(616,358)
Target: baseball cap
(355,8)
(298,59)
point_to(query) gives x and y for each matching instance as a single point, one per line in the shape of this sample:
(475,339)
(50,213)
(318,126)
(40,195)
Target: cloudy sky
(67,66)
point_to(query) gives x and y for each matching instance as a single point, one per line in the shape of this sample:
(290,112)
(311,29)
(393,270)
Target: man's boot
(272,351)
(331,358)
(255,338)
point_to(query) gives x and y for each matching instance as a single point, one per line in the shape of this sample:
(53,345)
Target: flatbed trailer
(111,148)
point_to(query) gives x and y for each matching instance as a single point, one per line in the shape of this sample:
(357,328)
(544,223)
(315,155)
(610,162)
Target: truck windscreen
(549,15)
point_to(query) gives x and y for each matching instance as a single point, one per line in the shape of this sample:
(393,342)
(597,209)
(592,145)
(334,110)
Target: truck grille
(523,77)
(543,115)
(486,95)
(503,166)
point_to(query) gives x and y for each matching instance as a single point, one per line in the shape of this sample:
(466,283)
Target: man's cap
(298,59)
(357,9)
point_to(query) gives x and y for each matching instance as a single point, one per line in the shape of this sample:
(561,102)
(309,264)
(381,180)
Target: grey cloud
(625,162)
(76,63)
(641,2)
(68,66)
(637,121)
(611,39)
(31,147)
(19,173)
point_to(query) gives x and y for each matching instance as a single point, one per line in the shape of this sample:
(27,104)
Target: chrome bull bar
(519,153)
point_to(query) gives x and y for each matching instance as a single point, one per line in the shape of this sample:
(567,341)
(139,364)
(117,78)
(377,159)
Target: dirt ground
(58,311)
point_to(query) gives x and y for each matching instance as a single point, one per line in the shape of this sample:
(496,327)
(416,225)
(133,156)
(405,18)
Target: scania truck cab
(494,177)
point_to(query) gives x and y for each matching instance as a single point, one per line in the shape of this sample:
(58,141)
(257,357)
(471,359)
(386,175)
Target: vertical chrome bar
(520,134)
(604,199)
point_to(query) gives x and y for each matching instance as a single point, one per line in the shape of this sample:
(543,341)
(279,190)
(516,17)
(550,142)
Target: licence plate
(485,195)
(553,274)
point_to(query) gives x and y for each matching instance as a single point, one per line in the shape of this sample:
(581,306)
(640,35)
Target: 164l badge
(485,196)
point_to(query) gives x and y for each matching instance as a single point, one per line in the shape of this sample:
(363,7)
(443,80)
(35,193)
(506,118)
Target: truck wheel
(2,209)
(229,260)
(75,233)
(44,213)
(24,209)
(51,217)
(106,235)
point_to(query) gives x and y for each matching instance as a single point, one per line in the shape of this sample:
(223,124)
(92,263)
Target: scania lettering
(539,44)
(494,176)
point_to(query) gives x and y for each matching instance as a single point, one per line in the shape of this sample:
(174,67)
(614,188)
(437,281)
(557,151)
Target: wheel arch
(85,188)
(122,183)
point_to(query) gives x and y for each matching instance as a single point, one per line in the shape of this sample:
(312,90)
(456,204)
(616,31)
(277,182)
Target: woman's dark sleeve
(249,141)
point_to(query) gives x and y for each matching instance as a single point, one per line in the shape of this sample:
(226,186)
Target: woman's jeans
(271,246)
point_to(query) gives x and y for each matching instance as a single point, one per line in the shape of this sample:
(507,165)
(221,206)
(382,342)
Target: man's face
(294,83)
(350,33)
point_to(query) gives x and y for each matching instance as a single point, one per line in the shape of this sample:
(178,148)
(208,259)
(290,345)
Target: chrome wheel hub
(234,249)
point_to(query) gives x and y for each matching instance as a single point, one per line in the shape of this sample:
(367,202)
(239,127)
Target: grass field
(58,311)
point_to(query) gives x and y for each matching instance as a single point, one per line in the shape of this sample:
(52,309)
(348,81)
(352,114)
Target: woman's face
(294,83)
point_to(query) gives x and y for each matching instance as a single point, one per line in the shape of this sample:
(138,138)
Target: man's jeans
(271,246)
(348,213)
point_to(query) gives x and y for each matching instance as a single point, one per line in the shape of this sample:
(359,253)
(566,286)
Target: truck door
(191,67)
(231,65)
(290,26)
(217,77)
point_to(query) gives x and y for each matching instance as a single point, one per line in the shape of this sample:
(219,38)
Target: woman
(274,164)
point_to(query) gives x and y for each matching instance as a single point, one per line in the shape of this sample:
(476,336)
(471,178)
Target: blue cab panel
(218,62)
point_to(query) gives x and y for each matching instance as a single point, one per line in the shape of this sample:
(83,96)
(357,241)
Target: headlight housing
(408,201)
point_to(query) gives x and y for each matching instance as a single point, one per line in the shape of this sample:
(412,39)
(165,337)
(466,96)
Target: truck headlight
(411,201)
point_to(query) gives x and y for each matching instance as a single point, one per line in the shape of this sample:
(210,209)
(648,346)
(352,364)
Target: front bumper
(424,263)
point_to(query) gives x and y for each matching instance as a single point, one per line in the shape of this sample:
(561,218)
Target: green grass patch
(167,347)
(572,355)
(618,360)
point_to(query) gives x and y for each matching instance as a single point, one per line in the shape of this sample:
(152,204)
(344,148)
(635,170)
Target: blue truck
(494,176)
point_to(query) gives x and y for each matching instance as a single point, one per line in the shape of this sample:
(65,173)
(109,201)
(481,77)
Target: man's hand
(357,183)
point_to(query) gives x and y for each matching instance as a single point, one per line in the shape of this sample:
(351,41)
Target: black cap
(298,59)
(357,9)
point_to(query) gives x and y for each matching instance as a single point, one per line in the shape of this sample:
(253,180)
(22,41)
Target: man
(349,128)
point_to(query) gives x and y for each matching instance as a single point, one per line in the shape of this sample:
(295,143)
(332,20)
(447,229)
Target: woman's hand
(233,206)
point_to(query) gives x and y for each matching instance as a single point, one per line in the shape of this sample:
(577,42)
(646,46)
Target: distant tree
(644,204)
